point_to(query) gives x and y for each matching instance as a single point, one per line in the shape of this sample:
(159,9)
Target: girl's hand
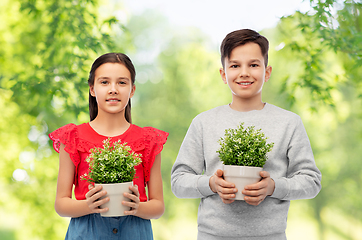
(256,193)
(135,200)
(92,197)
(226,190)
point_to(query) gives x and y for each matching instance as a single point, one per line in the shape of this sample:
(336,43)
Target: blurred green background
(47,47)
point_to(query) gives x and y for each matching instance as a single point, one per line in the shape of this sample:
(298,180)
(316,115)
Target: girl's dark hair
(110,58)
(240,37)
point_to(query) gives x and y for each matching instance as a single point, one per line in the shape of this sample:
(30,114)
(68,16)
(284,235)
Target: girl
(111,86)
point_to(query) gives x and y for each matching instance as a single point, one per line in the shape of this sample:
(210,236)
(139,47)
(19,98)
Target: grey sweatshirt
(290,164)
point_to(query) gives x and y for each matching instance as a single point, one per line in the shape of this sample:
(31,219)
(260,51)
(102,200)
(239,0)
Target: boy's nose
(244,72)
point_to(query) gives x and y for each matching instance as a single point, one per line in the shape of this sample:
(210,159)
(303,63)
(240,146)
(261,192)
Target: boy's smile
(245,73)
(245,84)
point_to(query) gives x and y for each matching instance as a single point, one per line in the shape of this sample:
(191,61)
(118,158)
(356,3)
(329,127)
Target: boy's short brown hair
(240,37)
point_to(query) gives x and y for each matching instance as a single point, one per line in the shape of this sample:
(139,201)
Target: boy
(290,172)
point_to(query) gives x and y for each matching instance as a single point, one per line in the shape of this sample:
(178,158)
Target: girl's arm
(154,207)
(65,206)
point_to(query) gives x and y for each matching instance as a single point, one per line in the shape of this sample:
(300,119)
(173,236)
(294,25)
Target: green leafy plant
(244,147)
(114,163)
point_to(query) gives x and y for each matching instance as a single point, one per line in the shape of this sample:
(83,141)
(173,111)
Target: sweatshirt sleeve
(303,180)
(187,179)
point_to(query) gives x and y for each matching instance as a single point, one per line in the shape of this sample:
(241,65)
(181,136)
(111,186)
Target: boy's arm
(303,179)
(187,180)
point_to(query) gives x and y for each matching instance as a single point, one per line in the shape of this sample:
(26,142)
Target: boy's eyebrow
(255,60)
(233,61)
(120,78)
(252,60)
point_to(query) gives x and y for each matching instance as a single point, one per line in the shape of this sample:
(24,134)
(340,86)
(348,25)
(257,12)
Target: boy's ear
(268,71)
(222,74)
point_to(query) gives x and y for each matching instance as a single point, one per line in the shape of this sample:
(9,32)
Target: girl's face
(112,88)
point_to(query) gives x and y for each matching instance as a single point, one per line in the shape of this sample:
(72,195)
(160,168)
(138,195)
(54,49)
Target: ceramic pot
(115,193)
(241,176)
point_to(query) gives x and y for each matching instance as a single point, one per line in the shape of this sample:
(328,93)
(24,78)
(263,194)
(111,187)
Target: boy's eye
(234,66)
(254,65)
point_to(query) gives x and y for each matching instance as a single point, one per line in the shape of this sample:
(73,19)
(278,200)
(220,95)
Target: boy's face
(245,72)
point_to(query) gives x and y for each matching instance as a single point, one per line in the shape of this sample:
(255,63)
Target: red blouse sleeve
(67,135)
(154,141)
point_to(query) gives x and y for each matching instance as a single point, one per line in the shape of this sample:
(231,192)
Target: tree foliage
(330,26)
(47,50)
(319,58)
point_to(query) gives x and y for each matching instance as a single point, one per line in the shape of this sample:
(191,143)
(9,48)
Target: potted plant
(113,167)
(243,153)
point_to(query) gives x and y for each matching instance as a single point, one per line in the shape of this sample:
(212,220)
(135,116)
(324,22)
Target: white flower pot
(115,193)
(241,176)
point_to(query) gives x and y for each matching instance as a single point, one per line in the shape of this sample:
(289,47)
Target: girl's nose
(113,89)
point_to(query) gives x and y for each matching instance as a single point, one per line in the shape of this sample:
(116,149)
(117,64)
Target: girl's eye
(122,82)
(104,82)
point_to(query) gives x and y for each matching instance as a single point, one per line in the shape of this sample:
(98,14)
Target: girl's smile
(113,100)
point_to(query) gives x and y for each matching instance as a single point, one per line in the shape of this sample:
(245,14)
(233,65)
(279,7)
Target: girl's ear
(222,74)
(91,91)
(268,71)
(132,91)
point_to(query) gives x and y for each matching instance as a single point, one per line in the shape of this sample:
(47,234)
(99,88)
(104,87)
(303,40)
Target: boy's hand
(226,190)
(256,193)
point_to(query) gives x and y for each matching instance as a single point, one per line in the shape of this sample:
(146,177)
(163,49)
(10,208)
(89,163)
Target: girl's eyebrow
(102,78)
